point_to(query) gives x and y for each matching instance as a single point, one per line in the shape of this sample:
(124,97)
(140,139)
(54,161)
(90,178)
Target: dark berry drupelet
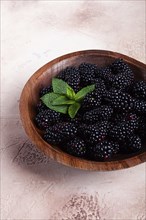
(73,78)
(87,73)
(46,118)
(46,90)
(103,113)
(139,90)
(76,147)
(104,150)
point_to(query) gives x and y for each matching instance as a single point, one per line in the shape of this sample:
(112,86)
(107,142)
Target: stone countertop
(34,187)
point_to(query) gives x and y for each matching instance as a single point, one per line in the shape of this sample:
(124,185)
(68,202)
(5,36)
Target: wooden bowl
(42,77)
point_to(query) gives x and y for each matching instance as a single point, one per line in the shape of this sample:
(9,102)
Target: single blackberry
(120,100)
(95,133)
(140,107)
(76,147)
(41,107)
(133,143)
(46,118)
(100,87)
(66,129)
(119,66)
(139,90)
(104,150)
(141,131)
(53,138)
(123,130)
(87,73)
(73,78)
(102,113)
(122,81)
(62,75)
(105,73)
(45,90)
(91,100)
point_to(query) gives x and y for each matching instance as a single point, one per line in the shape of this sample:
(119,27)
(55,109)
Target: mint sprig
(63,99)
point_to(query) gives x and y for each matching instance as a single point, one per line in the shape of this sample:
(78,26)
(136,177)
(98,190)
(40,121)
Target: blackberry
(46,90)
(66,129)
(53,138)
(73,78)
(119,66)
(139,90)
(104,150)
(105,73)
(46,118)
(41,106)
(120,100)
(87,73)
(76,147)
(141,131)
(133,144)
(102,113)
(95,133)
(140,107)
(91,100)
(100,87)
(62,75)
(123,130)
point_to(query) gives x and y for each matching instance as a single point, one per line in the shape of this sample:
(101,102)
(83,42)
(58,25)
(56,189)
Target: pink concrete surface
(34,187)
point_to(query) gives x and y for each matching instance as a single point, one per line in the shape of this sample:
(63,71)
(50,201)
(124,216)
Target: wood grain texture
(42,77)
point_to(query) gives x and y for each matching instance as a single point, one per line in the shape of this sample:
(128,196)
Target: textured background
(33,187)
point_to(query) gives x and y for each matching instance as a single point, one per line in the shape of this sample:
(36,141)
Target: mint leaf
(59,86)
(62,100)
(83,92)
(70,92)
(48,98)
(73,109)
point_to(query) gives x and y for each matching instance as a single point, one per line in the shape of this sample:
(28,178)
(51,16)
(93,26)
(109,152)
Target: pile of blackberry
(111,120)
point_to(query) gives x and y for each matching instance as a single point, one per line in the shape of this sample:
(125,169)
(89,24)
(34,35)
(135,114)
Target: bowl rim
(61,156)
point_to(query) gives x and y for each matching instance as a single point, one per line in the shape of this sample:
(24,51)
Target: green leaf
(49,98)
(62,100)
(59,86)
(83,92)
(70,92)
(73,109)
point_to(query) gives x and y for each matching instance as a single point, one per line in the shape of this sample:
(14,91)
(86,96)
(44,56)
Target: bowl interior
(42,78)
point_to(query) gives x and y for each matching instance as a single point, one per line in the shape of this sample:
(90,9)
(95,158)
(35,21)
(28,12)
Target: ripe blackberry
(62,75)
(41,106)
(76,147)
(141,131)
(102,113)
(66,129)
(119,66)
(140,107)
(53,138)
(46,90)
(95,133)
(133,144)
(46,118)
(104,150)
(87,73)
(123,130)
(100,87)
(91,100)
(73,78)
(139,90)
(120,100)
(105,73)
